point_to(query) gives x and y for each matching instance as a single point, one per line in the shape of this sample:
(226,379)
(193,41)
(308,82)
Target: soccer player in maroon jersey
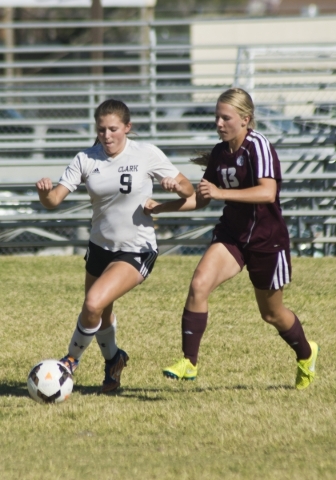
(244,172)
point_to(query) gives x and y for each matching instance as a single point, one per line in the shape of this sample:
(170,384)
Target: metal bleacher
(47,100)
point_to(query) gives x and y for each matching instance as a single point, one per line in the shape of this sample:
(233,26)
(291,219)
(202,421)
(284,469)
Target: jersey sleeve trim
(67,185)
(161,166)
(72,175)
(264,154)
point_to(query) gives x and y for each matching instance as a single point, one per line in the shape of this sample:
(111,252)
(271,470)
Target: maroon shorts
(267,270)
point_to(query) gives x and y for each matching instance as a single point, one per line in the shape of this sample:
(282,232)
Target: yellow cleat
(183,369)
(306,368)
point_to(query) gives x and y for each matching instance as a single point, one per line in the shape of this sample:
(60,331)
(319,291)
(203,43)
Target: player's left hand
(208,190)
(170,185)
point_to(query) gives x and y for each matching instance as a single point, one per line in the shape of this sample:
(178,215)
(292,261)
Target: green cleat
(183,369)
(306,368)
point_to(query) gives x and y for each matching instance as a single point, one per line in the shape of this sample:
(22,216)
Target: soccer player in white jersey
(244,172)
(118,174)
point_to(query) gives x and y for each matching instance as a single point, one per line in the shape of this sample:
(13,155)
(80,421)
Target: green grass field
(241,419)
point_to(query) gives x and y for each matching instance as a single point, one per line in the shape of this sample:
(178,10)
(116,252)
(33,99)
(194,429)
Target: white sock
(106,340)
(81,339)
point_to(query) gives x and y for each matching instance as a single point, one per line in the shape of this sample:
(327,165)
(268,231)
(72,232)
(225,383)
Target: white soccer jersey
(119,187)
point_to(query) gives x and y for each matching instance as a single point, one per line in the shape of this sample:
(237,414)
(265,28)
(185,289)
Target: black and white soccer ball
(50,381)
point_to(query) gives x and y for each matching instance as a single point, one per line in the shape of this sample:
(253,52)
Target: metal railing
(48,95)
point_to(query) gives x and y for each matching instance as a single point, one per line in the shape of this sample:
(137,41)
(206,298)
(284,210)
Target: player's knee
(269,317)
(92,307)
(199,286)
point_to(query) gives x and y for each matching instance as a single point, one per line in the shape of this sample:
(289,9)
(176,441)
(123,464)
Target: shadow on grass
(14,389)
(138,393)
(280,387)
(144,394)
(86,389)
(158,394)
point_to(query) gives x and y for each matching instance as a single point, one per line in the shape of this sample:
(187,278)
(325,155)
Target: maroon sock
(193,327)
(296,339)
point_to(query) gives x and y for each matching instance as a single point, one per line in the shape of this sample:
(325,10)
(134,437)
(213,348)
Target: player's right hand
(44,185)
(150,205)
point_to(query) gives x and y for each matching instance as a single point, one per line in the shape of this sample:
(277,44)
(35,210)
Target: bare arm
(264,192)
(181,205)
(51,197)
(179,185)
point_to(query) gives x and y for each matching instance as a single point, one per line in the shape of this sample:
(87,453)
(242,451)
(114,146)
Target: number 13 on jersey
(229,177)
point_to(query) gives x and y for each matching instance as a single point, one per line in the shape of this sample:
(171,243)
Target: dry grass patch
(241,419)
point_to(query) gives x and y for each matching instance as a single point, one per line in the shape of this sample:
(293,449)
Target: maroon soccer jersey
(258,227)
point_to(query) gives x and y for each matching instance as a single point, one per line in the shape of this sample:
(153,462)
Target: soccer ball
(49,381)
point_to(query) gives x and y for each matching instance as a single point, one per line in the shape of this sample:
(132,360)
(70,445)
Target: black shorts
(267,270)
(97,259)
